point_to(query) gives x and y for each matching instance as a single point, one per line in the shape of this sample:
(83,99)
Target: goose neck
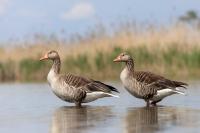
(130,65)
(56,65)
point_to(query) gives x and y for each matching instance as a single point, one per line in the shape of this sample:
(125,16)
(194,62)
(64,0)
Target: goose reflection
(141,120)
(79,120)
(158,119)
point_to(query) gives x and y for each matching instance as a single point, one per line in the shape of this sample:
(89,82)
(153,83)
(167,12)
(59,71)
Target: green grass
(172,62)
(31,70)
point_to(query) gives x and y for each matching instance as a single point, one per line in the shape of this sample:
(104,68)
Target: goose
(146,85)
(72,88)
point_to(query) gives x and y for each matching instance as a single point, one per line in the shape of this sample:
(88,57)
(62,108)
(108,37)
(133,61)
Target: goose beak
(118,59)
(45,57)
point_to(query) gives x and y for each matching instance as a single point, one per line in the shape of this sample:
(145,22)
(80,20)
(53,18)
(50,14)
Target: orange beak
(45,57)
(118,59)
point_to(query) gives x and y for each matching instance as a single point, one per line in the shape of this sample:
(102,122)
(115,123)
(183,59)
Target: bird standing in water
(72,88)
(146,85)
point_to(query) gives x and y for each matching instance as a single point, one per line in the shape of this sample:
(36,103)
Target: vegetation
(172,63)
(172,51)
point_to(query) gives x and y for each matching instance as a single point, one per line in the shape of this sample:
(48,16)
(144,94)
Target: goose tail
(178,91)
(112,95)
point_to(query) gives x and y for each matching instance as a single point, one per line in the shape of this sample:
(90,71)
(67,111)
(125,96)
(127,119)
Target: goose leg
(147,101)
(78,104)
(154,103)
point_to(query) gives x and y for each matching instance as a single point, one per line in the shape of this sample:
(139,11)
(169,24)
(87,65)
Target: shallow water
(33,108)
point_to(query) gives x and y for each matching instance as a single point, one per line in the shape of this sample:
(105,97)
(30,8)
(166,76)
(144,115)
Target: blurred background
(162,36)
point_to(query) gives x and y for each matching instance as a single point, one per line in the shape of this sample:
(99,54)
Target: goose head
(123,57)
(50,55)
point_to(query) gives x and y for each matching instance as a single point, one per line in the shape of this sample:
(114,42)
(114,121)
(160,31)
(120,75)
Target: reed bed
(173,51)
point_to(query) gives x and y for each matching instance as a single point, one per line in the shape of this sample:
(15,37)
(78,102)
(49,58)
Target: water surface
(34,108)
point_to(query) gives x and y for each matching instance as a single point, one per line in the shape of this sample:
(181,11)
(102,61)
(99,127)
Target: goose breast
(64,90)
(129,83)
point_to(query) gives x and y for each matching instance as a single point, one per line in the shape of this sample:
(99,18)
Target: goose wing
(87,84)
(99,86)
(156,81)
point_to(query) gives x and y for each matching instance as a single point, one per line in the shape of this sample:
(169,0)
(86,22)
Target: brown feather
(87,84)
(156,80)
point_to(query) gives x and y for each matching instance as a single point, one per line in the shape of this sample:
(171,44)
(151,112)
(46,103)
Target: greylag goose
(146,85)
(72,88)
